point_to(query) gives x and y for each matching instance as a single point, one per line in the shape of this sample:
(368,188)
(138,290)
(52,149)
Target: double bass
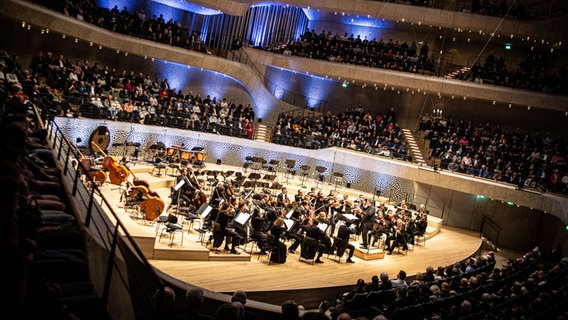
(96,175)
(152,206)
(117,172)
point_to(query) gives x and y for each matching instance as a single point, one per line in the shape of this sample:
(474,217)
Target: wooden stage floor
(227,273)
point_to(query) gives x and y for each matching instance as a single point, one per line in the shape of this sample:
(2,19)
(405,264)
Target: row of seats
(50,273)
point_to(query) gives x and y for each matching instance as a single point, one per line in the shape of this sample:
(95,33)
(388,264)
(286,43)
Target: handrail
(98,224)
(487,221)
(287,96)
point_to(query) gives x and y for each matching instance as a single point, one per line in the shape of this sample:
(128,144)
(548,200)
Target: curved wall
(266,106)
(265,103)
(411,14)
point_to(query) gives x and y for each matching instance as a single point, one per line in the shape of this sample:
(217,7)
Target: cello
(117,173)
(96,175)
(152,206)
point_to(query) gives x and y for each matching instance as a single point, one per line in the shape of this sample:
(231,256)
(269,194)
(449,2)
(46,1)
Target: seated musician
(323,241)
(420,225)
(422,209)
(338,209)
(224,229)
(380,228)
(283,200)
(343,234)
(259,226)
(402,205)
(277,230)
(241,230)
(299,197)
(186,190)
(297,233)
(397,237)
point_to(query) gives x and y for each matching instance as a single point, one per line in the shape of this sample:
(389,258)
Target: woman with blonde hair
(277,231)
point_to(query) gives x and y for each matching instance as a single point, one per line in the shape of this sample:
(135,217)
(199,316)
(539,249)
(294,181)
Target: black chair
(357,302)
(420,237)
(308,249)
(387,298)
(158,166)
(247,163)
(305,173)
(190,216)
(172,227)
(338,247)
(402,246)
(269,248)
(374,298)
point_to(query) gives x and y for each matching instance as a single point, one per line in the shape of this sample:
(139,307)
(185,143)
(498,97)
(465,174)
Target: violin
(96,175)
(117,173)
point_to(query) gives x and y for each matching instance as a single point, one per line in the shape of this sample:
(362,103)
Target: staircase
(419,148)
(262,133)
(413,147)
(452,75)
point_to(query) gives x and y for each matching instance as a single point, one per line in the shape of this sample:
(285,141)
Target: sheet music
(323,226)
(350,216)
(289,224)
(289,214)
(242,218)
(206,212)
(179,185)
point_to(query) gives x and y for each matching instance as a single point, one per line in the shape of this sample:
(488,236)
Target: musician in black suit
(323,241)
(367,220)
(398,237)
(223,230)
(343,234)
(299,197)
(422,209)
(217,195)
(283,199)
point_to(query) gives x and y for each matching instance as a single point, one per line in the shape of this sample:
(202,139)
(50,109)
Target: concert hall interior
(230,159)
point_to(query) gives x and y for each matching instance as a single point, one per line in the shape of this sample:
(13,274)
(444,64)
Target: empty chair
(172,227)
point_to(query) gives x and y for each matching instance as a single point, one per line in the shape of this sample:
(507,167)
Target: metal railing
(293,98)
(127,273)
(490,230)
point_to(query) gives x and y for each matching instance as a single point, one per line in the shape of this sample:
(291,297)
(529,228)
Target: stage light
(219,161)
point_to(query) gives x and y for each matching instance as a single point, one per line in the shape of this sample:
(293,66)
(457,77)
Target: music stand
(289,214)
(305,169)
(321,176)
(254,176)
(323,226)
(337,177)
(242,218)
(289,223)
(204,210)
(290,164)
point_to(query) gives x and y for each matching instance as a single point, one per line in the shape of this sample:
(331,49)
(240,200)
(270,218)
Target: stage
(183,259)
